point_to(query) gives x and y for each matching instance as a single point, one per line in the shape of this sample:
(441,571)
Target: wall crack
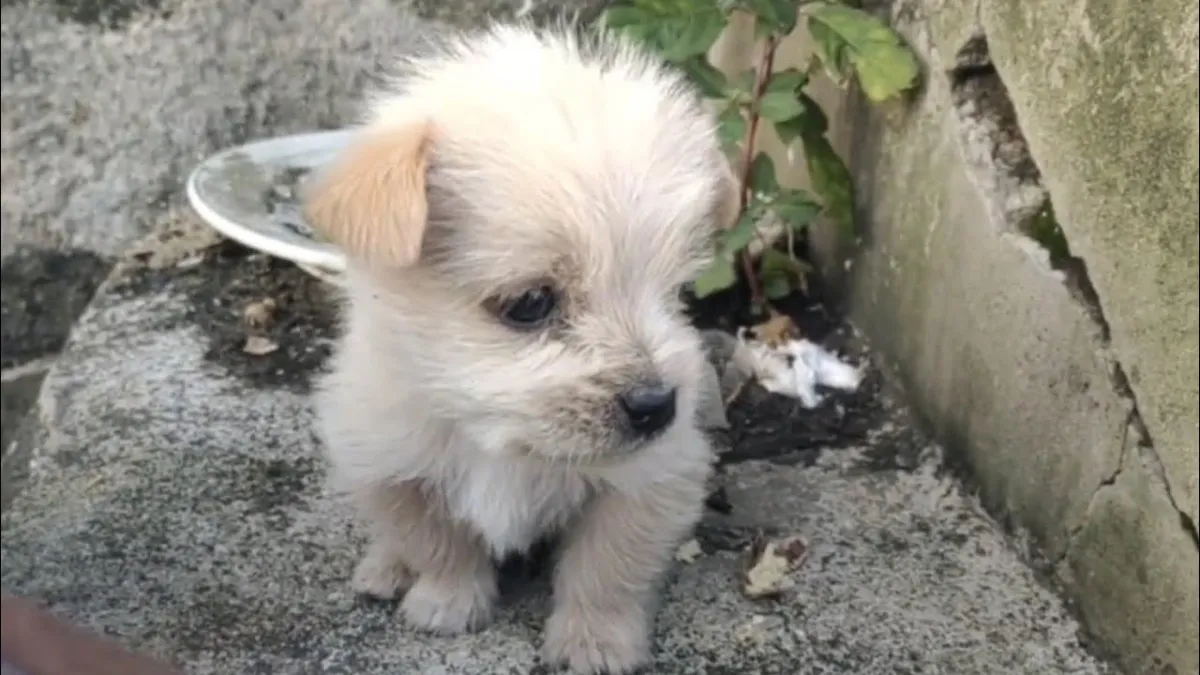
(1075,530)
(1002,167)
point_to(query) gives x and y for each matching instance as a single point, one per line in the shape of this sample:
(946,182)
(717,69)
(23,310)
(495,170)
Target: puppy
(520,210)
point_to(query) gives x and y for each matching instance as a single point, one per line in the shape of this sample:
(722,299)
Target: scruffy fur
(506,160)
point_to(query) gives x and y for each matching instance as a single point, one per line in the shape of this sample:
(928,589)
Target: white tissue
(796,368)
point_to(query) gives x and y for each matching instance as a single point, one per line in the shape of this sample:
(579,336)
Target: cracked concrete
(1134,508)
(1124,176)
(1000,163)
(1029,269)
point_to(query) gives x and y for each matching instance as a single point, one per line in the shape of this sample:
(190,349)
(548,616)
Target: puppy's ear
(371,201)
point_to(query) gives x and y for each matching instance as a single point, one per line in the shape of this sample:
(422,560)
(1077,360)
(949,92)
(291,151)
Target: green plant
(846,42)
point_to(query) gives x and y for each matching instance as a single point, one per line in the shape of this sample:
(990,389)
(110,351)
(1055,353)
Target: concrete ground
(166,487)
(168,492)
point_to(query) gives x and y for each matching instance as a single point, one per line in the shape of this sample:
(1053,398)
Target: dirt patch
(226,279)
(42,293)
(778,428)
(108,14)
(104,13)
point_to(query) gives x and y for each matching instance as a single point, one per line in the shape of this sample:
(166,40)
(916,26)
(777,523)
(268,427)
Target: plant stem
(762,76)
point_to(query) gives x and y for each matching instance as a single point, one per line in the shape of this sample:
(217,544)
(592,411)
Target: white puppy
(520,210)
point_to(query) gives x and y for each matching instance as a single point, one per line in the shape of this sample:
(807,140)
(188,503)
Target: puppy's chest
(513,503)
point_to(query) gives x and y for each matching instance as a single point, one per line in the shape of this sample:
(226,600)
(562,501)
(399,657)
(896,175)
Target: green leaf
(828,175)
(780,106)
(790,130)
(708,80)
(782,271)
(743,82)
(716,277)
(672,7)
(796,208)
(776,286)
(620,17)
(763,28)
(634,21)
(781,101)
(831,180)
(779,15)
(776,261)
(762,175)
(814,118)
(787,81)
(830,49)
(884,64)
(681,38)
(812,121)
(738,237)
(731,126)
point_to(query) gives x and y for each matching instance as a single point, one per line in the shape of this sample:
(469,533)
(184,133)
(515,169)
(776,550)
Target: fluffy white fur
(504,161)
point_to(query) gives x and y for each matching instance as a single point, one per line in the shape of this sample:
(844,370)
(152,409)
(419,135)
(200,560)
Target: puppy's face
(521,232)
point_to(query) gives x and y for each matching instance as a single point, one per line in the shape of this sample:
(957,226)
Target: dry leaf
(769,565)
(190,261)
(776,331)
(257,345)
(689,552)
(260,314)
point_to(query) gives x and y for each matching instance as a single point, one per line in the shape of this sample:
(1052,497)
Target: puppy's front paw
(591,644)
(380,575)
(449,606)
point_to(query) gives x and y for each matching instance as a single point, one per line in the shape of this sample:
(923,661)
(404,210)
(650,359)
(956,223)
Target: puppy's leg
(381,573)
(415,545)
(606,580)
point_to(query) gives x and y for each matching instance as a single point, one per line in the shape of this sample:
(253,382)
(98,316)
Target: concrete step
(166,486)
(168,492)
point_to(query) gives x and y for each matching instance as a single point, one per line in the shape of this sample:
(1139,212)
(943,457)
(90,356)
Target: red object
(35,642)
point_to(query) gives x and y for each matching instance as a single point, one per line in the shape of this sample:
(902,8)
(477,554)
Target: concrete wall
(1028,267)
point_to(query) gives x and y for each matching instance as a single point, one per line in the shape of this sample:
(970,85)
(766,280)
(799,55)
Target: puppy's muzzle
(649,408)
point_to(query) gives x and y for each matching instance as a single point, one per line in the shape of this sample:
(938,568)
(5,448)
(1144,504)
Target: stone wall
(1028,267)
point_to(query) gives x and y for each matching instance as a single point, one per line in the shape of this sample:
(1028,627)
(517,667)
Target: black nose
(650,408)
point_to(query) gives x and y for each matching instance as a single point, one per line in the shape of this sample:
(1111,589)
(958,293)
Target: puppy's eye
(530,309)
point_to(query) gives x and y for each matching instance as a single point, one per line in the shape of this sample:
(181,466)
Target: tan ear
(371,201)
